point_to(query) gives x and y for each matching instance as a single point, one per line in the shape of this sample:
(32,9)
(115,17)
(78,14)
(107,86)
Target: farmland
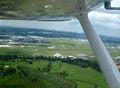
(65,47)
(79,77)
(49,59)
(76,76)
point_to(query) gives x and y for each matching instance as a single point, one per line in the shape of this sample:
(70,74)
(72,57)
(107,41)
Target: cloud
(103,10)
(70,26)
(100,17)
(106,22)
(115,3)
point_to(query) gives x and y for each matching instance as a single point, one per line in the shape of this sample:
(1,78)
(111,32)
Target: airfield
(54,47)
(74,75)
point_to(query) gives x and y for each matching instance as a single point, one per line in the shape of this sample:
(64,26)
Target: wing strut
(104,59)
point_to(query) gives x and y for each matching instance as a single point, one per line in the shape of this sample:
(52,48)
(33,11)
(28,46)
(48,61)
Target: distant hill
(5,30)
(39,32)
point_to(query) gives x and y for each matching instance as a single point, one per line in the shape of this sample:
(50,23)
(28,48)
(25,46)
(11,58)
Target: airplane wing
(33,9)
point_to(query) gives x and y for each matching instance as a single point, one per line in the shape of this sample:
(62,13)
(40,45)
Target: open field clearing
(62,46)
(76,76)
(34,73)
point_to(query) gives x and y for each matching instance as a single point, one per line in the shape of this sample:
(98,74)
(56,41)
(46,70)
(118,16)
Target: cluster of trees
(63,73)
(78,61)
(28,72)
(48,67)
(4,71)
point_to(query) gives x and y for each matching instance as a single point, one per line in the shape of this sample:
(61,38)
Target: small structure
(22,46)
(5,46)
(83,56)
(72,57)
(51,47)
(117,60)
(6,66)
(58,55)
(92,57)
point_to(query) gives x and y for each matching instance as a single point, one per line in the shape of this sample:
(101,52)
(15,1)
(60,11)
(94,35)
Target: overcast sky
(105,23)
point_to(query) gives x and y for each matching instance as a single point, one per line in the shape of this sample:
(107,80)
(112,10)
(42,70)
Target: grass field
(61,46)
(77,76)
(82,77)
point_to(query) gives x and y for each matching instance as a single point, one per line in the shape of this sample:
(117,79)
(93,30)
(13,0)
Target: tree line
(78,61)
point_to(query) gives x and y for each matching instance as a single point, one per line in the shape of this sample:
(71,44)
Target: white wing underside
(34,9)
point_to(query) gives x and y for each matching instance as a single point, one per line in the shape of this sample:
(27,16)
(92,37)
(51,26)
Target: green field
(77,76)
(74,75)
(61,46)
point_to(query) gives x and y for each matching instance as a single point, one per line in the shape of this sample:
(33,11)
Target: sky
(105,22)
